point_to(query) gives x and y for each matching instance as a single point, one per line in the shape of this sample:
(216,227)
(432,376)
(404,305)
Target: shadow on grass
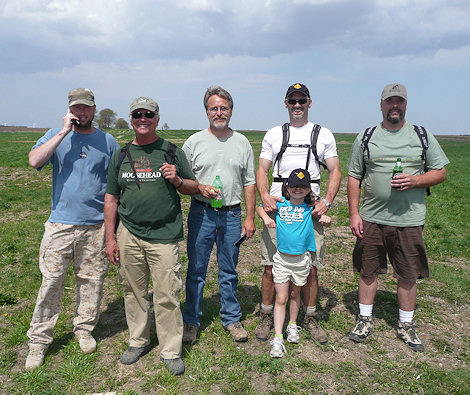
(331,302)
(385,305)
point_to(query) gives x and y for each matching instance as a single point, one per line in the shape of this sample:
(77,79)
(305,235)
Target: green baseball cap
(81,96)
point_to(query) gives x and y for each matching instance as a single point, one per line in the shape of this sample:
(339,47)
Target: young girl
(292,261)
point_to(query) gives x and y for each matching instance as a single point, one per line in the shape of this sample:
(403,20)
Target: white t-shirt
(296,157)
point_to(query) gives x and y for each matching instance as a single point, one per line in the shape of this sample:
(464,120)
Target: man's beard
(395,119)
(83,126)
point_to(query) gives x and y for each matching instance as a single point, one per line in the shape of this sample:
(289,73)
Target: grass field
(382,364)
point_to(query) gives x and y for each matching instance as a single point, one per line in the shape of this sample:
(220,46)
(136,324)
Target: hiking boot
(311,325)
(266,322)
(133,354)
(86,341)
(362,329)
(292,331)
(175,366)
(189,333)
(35,357)
(239,334)
(407,333)
(277,350)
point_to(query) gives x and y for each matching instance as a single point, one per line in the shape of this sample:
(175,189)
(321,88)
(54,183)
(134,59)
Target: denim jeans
(206,226)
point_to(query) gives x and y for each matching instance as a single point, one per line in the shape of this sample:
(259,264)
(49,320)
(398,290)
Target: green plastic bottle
(217,203)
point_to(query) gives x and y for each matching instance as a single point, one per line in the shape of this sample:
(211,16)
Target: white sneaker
(292,331)
(277,350)
(35,357)
(87,342)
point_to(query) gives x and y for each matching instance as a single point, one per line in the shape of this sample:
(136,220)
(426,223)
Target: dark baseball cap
(297,88)
(299,177)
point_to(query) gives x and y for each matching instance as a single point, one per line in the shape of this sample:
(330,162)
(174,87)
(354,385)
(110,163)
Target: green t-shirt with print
(381,203)
(153,211)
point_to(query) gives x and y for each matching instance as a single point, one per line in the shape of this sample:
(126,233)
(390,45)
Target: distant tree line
(107,119)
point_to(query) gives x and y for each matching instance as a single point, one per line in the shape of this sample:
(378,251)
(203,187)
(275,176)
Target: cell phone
(240,240)
(76,122)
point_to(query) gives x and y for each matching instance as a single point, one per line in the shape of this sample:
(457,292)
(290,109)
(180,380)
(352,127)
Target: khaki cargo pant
(139,260)
(62,243)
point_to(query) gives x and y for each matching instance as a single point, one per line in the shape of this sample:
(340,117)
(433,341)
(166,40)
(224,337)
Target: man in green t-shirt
(143,192)
(391,218)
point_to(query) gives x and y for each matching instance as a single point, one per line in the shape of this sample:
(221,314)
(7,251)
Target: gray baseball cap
(144,102)
(394,90)
(81,96)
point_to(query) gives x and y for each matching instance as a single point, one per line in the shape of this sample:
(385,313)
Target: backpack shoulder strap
(364,147)
(170,153)
(313,143)
(423,138)
(125,151)
(285,141)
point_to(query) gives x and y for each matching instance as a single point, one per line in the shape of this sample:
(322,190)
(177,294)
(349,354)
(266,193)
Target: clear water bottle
(217,202)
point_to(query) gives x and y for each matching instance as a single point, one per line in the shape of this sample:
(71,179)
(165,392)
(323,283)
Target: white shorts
(291,268)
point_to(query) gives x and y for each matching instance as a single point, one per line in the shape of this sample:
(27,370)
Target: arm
(354,195)
(250,203)
(262,184)
(405,181)
(332,187)
(111,203)
(185,186)
(268,222)
(40,155)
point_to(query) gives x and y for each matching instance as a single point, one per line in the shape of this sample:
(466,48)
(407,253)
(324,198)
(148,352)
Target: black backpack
(423,138)
(312,148)
(125,151)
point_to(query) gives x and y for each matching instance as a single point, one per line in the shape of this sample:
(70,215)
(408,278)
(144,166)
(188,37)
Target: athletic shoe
(133,354)
(239,334)
(407,333)
(362,329)
(175,366)
(292,331)
(277,350)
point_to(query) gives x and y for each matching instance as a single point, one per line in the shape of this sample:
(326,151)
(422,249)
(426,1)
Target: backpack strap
(285,140)
(125,151)
(423,138)
(170,153)
(313,144)
(364,147)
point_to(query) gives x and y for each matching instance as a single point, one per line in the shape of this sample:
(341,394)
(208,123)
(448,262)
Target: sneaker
(292,331)
(87,342)
(311,325)
(35,357)
(175,366)
(266,322)
(133,354)
(189,333)
(277,350)
(362,329)
(239,334)
(407,333)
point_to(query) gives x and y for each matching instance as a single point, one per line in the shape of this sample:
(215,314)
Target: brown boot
(266,322)
(311,325)
(239,334)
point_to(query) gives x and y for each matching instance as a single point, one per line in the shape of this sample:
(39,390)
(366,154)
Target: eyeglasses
(223,110)
(140,114)
(295,101)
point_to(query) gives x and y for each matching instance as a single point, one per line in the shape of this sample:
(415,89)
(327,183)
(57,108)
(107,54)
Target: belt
(223,208)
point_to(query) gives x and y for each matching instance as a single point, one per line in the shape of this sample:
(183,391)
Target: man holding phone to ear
(80,155)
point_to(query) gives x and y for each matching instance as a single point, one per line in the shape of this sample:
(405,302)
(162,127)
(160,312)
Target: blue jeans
(206,226)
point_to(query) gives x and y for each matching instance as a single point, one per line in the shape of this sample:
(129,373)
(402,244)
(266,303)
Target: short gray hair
(219,91)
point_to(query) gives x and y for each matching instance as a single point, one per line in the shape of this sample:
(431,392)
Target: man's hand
(249,227)
(269,202)
(112,251)
(356,225)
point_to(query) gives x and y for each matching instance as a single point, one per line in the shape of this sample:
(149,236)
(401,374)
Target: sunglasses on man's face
(140,114)
(295,101)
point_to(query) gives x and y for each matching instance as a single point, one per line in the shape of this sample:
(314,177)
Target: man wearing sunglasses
(143,192)
(79,154)
(218,151)
(297,154)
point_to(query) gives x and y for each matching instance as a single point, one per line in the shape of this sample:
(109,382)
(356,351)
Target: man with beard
(391,218)
(298,154)
(218,151)
(80,155)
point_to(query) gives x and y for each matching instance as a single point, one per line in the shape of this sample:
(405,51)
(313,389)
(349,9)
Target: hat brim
(82,101)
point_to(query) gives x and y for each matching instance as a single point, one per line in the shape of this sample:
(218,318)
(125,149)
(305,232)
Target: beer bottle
(217,202)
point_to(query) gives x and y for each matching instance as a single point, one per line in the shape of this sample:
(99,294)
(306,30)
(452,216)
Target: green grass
(216,364)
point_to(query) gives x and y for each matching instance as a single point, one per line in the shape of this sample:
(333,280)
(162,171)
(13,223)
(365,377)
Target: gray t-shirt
(230,158)
(381,203)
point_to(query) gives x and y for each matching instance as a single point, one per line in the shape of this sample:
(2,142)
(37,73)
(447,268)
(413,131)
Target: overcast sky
(345,51)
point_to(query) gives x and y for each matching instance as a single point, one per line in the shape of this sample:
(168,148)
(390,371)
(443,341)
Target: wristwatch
(327,203)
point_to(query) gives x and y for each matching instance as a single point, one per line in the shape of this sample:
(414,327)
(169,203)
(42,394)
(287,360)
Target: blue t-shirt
(294,228)
(79,174)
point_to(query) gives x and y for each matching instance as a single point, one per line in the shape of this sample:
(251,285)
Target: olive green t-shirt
(381,203)
(153,211)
